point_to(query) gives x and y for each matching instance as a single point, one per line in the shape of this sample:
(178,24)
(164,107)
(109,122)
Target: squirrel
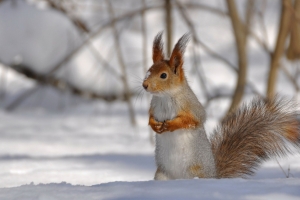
(253,133)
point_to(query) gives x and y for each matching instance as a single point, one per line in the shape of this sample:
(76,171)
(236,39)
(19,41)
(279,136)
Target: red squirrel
(255,132)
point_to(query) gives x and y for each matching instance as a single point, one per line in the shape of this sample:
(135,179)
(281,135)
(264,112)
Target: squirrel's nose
(145,85)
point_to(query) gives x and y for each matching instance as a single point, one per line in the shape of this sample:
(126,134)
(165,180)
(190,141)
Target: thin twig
(145,60)
(122,64)
(284,29)
(96,33)
(82,27)
(264,28)
(87,41)
(144,34)
(169,26)
(205,47)
(3,83)
(282,169)
(22,97)
(290,77)
(57,83)
(215,97)
(240,39)
(198,41)
(77,22)
(191,5)
(197,66)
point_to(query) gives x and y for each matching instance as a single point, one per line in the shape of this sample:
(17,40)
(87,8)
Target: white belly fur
(174,152)
(177,151)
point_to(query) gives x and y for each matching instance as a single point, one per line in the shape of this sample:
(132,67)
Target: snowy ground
(87,151)
(179,189)
(80,149)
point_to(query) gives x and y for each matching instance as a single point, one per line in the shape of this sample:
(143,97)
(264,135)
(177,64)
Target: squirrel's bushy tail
(254,133)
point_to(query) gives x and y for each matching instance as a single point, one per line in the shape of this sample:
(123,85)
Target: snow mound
(179,189)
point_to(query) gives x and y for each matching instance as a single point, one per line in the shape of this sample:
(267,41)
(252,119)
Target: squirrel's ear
(158,46)
(176,59)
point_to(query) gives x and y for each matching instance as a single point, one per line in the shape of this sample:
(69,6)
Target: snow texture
(287,189)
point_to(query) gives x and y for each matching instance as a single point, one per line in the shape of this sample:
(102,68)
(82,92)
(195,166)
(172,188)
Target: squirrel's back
(254,133)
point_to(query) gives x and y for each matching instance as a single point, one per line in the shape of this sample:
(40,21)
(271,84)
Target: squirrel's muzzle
(145,86)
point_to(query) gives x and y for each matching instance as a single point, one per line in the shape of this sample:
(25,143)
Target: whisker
(136,80)
(143,92)
(136,77)
(137,88)
(139,93)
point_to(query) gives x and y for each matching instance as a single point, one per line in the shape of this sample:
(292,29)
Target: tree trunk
(240,34)
(284,29)
(293,52)
(169,26)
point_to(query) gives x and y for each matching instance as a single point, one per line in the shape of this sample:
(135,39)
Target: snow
(178,189)
(46,36)
(44,147)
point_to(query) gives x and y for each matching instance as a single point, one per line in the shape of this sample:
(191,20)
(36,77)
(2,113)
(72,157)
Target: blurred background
(71,103)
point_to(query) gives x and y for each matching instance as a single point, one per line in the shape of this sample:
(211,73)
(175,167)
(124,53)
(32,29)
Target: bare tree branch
(93,35)
(145,60)
(248,21)
(290,77)
(192,5)
(144,33)
(57,83)
(82,27)
(212,53)
(169,26)
(226,14)
(2,83)
(77,22)
(240,38)
(293,51)
(284,29)
(87,41)
(264,43)
(122,65)
(198,69)
(198,41)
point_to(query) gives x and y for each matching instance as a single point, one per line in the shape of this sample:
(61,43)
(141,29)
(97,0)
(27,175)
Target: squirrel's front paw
(157,126)
(165,126)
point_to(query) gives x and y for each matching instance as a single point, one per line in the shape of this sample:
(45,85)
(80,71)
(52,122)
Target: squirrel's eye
(163,75)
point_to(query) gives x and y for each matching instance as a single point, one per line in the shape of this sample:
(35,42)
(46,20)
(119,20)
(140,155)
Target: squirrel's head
(165,75)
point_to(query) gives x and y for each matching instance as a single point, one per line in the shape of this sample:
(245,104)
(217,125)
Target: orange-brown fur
(197,171)
(172,67)
(157,51)
(155,125)
(184,120)
(158,171)
(156,84)
(291,131)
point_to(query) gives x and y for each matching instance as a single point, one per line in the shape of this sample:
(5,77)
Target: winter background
(71,136)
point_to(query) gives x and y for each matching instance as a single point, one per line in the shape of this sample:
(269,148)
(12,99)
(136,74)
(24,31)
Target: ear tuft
(176,59)
(158,46)
(182,42)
